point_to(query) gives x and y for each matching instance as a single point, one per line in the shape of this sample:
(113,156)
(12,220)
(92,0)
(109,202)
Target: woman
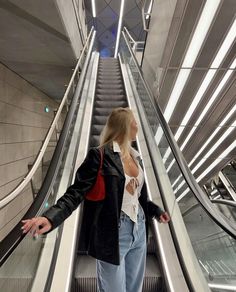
(116,227)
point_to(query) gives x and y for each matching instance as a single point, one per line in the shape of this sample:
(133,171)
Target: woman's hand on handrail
(164,218)
(36,226)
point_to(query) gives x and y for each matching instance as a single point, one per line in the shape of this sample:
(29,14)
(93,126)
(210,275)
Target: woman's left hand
(164,218)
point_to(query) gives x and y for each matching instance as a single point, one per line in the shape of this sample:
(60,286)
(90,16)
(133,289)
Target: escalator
(196,252)
(110,93)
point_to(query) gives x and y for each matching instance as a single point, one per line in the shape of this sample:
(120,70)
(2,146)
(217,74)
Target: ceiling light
(183,195)
(209,104)
(200,33)
(233,110)
(176,92)
(219,159)
(149,10)
(93,8)
(217,144)
(175,182)
(223,137)
(222,286)
(119,27)
(197,40)
(199,94)
(222,156)
(225,46)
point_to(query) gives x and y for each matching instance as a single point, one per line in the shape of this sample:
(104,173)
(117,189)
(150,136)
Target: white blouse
(133,186)
(132,190)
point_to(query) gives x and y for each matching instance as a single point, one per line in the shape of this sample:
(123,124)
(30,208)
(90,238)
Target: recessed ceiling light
(119,27)
(93,8)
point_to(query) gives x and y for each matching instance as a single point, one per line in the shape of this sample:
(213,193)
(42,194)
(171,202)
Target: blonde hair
(117,128)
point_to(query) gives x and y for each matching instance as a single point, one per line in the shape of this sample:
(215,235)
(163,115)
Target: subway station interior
(64,65)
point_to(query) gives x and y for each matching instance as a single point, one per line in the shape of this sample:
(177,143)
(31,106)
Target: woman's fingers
(36,225)
(26,225)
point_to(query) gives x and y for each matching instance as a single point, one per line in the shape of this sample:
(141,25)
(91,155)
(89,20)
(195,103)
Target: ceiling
(35,45)
(213,100)
(106,22)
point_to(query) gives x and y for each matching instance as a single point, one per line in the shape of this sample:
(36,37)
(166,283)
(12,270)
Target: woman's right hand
(36,225)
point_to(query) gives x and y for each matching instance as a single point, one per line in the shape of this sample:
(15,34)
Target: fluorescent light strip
(119,27)
(209,104)
(208,78)
(179,186)
(171,164)
(215,64)
(197,40)
(214,192)
(213,134)
(222,286)
(229,39)
(222,156)
(233,110)
(197,99)
(158,135)
(183,194)
(216,145)
(204,112)
(178,87)
(178,178)
(93,8)
(149,10)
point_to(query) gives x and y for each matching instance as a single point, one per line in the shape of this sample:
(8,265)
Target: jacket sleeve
(84,180)
(153,210)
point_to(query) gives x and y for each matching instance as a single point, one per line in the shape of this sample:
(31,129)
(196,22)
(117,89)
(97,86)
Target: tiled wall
(23,126)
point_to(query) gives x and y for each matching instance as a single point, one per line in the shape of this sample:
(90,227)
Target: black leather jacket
(101,219)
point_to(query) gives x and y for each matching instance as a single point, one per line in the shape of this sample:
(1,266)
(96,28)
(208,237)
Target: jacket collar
(114,154)
(133,152)
(115,158)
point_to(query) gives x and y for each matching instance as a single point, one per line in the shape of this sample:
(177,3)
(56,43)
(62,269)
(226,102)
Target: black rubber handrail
(227,225)
(224,202)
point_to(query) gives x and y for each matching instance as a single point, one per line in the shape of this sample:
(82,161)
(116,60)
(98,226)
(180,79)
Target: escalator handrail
(224,202)
(227,225)
(17,190)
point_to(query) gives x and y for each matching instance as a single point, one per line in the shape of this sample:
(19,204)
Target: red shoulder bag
(97,192)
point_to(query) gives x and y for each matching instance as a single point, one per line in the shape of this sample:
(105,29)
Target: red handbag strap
(101,155)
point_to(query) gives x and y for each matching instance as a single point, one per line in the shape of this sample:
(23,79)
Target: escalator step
(110,86)
(100,97)
(94,140)
(99,120)
(109,81)
(113,104)
(96,129)
(109,75)
(109,91)
(102,111)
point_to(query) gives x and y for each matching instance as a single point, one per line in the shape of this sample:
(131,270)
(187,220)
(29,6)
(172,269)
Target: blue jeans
(128,276)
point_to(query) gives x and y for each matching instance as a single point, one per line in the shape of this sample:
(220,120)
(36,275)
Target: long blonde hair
(117,128)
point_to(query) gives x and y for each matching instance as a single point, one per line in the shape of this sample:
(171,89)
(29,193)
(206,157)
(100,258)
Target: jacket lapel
(115,158)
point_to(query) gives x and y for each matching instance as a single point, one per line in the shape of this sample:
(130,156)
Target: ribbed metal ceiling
(106,22)
(215,101)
